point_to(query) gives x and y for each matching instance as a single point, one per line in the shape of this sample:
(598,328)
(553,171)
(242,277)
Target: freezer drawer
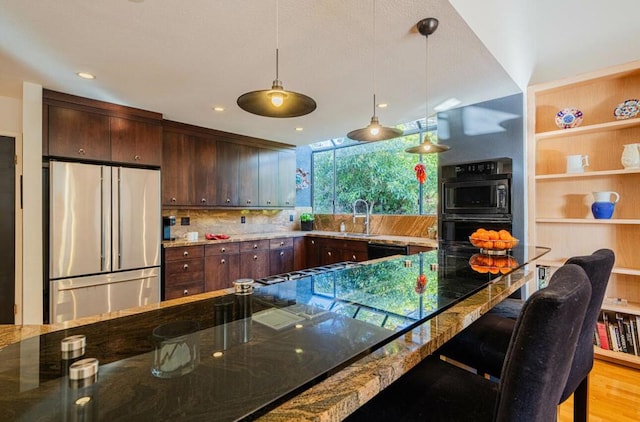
(78,297)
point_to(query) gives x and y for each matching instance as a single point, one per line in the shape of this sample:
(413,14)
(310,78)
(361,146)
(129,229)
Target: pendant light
(374,131)
(276,102)
(427,27)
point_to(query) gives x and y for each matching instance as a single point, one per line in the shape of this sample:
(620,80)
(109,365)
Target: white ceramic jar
(631,156)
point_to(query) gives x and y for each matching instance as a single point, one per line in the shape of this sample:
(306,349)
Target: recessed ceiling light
(218,108)
(299,129)
(383,105)
(447,104)
(85,75)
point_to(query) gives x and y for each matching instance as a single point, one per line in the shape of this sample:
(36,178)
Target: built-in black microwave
(477,189)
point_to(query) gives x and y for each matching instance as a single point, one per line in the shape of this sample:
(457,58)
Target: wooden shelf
(630,308)
(587,174)
(617,357)
(557,263)
(583,130)
(611,221)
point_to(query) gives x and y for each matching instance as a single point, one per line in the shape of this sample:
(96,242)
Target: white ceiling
(181,58)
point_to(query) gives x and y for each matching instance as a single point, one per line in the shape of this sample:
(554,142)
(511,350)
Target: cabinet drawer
(254,245)
(284,242)
(184,271)
(182,252)
(183,290)
(224,248)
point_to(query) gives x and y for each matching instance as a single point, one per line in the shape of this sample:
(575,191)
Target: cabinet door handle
(186,292)
(268,202)
(255,246)
(185,267)
(203,200)
(185,253)
(353,258)
(136,157)
(81,151)
(329,253)
(281,243)
(286,202)
(313,242)
(255,257)
(248,201)
(281,253)
(227,201)
(222,261)
(223,250)
(173,199)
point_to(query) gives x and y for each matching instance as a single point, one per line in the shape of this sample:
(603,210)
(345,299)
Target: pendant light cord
(277,39)
(373,45)
(426,85)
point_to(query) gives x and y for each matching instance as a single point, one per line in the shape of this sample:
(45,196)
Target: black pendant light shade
(276,102)
(427,27)
(374,132)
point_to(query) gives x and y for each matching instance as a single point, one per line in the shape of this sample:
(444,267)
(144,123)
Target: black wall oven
(473,195)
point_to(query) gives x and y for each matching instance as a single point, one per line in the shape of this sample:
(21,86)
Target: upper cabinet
(208,168)
(287,178)
(83,129)
(562,194)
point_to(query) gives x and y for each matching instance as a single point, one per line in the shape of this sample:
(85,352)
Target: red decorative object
(421,174)
(421,284)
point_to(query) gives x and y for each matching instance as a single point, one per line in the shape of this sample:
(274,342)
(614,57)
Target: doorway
(7,229)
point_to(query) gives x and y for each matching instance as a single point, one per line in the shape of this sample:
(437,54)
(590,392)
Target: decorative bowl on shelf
(482,263)
(568,118)
(627,109)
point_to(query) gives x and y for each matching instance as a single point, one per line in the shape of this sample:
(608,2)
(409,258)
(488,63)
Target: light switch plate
(185,221)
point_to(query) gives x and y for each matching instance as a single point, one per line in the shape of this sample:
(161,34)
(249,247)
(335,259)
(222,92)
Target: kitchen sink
(360,235)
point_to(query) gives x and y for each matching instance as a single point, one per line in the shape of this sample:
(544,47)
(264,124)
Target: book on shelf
(618,332)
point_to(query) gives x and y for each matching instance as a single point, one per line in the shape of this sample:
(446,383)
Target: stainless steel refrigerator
(104,239)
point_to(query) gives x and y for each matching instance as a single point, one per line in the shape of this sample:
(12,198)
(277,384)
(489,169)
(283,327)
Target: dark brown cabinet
(299,254)
(254,259)
(227,170)
(312,251)
(178,178)
(183,271)
(248,176)
(78,134)
(332,251)
(280,255)
(136,142)
(84,129)
(188,172)
(222,265)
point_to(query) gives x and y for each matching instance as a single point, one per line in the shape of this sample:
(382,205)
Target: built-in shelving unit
(559,210)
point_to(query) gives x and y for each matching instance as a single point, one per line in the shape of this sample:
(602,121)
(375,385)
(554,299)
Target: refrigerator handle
(119,219)
(103,237)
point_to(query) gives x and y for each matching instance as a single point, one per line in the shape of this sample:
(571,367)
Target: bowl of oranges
(482,263)
(493,242)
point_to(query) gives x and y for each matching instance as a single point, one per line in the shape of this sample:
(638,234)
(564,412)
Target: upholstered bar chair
(536,368)
(535,371)
(483,345)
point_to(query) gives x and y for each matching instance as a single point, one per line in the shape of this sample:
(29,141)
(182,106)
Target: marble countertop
(375,238)
(331,399)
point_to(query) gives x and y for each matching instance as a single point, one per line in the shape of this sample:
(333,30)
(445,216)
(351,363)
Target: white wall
(32,203)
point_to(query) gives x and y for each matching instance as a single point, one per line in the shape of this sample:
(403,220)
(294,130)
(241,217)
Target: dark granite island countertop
(259,355)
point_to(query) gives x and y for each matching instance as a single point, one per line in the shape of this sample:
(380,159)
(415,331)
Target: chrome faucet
(365,216)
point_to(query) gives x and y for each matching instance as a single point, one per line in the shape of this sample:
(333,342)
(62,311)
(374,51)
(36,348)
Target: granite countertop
(367,352)
(374,238)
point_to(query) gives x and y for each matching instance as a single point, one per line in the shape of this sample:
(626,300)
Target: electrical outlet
(243,219)
(290,217)
(185,221)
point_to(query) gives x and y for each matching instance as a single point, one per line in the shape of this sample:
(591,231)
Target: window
(378,172)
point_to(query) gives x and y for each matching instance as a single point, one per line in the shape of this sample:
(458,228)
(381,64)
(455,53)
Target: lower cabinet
(331,251)
(312,251)
(280,255)
(221,265)
(183,271)
(254,259)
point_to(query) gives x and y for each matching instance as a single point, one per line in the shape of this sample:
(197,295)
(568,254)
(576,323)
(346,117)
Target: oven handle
(501,194)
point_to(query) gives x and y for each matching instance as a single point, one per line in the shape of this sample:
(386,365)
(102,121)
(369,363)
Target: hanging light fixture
(276,102)
(374,132)
(427,27)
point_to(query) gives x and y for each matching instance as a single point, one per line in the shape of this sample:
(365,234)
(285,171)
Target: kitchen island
(309,349)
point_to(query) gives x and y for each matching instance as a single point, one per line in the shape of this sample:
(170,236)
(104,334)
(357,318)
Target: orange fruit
(499,244)
(504,235)
(493,235)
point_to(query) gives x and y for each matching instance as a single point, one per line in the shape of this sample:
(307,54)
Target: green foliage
(379,172)
(305,216)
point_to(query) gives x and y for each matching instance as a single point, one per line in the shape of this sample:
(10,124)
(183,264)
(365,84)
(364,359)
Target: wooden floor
(614,395)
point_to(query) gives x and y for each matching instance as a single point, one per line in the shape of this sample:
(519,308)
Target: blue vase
(602,210)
